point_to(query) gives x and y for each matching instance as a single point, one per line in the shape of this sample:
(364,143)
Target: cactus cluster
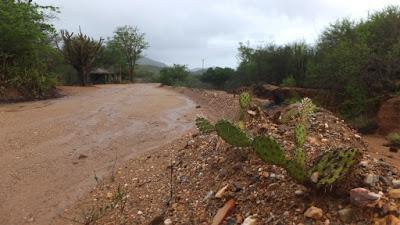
(326,171)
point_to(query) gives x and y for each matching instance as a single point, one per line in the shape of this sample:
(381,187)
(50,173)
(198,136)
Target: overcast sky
(187,31)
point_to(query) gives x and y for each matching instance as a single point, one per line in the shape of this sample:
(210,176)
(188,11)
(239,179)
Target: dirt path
(377,148)
(51,151)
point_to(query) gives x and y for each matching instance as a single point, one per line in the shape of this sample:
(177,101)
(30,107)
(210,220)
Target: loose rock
(346,215)
(251,220)
(363,197)
(314,213)
(394,193)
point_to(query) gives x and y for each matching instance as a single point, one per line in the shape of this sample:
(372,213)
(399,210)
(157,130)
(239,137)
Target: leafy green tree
(132,43)
(80,51)
(25,47)
(175,75)
(112,58)
(217,76)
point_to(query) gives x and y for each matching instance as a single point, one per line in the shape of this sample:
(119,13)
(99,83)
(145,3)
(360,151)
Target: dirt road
(51,151)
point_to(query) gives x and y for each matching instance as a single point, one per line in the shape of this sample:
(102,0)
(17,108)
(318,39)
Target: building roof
(100,71)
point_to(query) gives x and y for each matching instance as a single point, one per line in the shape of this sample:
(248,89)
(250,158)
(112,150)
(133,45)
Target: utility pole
(202,66)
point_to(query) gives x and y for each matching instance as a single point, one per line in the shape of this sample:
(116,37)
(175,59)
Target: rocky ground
(198,179)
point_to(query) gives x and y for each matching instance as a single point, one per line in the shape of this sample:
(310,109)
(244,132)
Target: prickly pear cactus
(269,150)
(300,157)
(296,171)
(300,134)
(204,125)
(232,134)
(244,100)
(333,166)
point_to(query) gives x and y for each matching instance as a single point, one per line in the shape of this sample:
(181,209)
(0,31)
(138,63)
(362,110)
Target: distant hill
(198,71)
(151,62)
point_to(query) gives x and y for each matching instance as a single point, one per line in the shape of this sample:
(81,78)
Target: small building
(103,76)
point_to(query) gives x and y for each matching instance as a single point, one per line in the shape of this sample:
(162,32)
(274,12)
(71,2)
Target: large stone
(314,213)
(362,197)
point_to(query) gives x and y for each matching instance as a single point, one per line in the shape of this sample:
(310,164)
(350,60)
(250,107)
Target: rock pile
(264,193)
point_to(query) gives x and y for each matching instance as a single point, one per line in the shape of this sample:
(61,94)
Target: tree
(80,51)
(25,47)
(174,75)
(217,76)
(132,43)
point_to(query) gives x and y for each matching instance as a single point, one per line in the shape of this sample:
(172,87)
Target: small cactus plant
(326,171)
(244,100)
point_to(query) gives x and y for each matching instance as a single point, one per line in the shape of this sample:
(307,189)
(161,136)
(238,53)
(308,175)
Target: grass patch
(394,138)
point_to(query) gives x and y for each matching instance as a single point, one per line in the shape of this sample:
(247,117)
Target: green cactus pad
(232,134)
(269,150)
(296,171)
(300,157)
(334,165)
(204,125)
(244,100)
(300,134)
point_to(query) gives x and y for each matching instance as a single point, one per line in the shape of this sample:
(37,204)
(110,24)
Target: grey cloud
(186,31)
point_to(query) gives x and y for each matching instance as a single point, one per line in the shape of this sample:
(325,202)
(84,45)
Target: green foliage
(394,138)
(333,166)
(174,75)
(204,125)
(80,51)
(217,76)
(131,43)
(356,62)
(25,47)
(288,82)
(232,134)
(269,151)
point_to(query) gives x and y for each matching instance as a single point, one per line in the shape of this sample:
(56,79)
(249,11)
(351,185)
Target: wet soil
(54,151)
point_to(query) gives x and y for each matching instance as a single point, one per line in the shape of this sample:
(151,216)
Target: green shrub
(33,83)
(394,138)
(289,82)
(174,75)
